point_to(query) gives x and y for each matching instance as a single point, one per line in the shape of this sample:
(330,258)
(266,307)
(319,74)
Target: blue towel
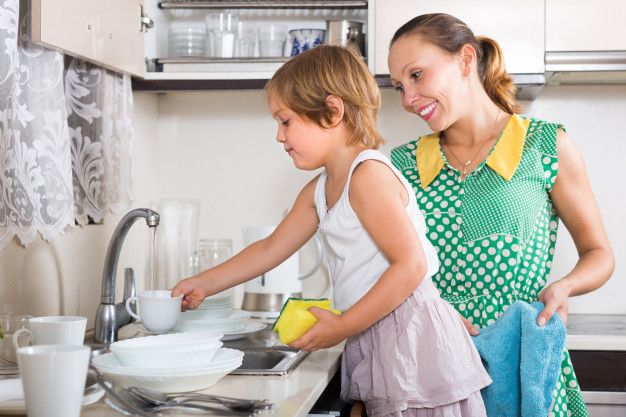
(523,359)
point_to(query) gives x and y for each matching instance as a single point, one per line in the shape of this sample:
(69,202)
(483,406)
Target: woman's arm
(379,200)
(576,205)
(293,232)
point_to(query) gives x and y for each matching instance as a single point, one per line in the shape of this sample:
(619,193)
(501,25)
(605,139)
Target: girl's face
(304,140)
(430,80)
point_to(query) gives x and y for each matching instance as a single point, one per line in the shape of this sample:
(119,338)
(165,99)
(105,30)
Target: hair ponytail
(496,81)
(450,34)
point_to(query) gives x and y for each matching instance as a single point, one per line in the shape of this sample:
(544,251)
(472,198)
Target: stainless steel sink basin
(263,355)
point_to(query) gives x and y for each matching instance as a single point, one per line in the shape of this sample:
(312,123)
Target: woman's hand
(192,292)
(555,297)
(328,331)
(471,328)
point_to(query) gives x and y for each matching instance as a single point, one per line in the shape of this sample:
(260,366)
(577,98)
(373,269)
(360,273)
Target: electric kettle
(265,295)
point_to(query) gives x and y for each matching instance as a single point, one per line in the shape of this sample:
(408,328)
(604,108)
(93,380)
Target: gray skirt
(417,361)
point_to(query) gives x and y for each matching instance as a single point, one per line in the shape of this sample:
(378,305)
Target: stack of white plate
(169,362)
(233,324)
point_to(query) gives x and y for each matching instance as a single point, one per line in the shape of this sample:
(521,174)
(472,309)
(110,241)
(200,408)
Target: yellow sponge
(295,319)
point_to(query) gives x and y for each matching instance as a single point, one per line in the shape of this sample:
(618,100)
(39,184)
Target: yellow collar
(504,159)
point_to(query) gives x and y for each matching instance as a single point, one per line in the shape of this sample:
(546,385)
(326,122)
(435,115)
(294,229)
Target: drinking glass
(177,238)
(221,29)
(245,42)
(210,253)
(272,40)
(10,324)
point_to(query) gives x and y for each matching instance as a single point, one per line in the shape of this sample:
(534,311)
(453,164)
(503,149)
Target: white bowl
(173,342)
(224,357)
(172,381)
(166,359)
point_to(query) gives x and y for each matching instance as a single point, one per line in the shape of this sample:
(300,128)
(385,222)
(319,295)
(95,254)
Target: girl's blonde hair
(450,34)
(305,81)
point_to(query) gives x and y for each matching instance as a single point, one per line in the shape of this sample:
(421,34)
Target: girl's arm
(293,232)
(379,200)
(576,205)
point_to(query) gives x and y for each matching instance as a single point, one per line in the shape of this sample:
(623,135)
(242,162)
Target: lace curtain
(66,139)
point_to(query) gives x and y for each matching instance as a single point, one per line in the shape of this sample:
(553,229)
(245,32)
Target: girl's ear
(335,105)
(468,60)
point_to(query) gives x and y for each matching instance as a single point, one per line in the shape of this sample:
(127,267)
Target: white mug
(54,330)
(159,310)
(53,377)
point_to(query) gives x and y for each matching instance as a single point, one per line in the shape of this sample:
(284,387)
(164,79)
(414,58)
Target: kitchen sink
(264,355)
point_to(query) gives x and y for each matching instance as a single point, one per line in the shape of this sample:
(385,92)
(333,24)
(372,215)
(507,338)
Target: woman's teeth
(426,110)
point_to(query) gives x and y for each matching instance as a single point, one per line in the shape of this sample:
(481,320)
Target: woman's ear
(335,105)
(468,60)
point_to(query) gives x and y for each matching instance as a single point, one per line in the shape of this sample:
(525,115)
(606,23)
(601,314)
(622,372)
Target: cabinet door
(105,32)
(518,27)
(583,25)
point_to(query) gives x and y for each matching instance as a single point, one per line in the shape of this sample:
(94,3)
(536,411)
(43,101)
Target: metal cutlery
(154,407)
(237,404)
(122,403)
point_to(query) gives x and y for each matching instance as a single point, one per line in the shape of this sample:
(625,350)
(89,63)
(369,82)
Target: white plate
(18,407)
(249,328)
(224,358)
(175,383)
(234,321)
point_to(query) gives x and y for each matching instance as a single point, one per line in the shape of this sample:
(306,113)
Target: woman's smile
(426,112)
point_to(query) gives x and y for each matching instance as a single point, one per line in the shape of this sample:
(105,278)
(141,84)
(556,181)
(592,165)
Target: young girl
(407,352)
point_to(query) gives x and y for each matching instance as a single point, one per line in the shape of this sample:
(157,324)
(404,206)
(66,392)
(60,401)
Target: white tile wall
(219,147)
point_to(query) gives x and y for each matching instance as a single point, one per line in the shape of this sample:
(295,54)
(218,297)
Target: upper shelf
(263,4)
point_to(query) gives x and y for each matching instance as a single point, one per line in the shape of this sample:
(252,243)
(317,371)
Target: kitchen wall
(219,147)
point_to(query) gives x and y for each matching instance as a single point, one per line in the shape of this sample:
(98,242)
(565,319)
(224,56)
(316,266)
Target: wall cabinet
(583,25)
(115,34)
(106,32)
(518,26)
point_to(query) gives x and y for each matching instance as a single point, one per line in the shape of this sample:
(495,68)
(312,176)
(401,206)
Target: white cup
(53,330)
(159,310)
(53,377)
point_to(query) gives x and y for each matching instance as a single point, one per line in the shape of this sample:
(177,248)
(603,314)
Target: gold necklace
(465,165)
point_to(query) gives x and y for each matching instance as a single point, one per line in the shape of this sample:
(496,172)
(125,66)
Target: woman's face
(430,80)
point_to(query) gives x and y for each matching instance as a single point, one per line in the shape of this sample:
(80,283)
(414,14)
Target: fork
(229,402)
(154,407)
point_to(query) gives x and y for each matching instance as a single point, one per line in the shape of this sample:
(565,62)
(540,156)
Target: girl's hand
(327,332)
(471,328)
(192,292)
(555,297)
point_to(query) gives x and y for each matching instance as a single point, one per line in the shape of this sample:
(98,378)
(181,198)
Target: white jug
(266,294)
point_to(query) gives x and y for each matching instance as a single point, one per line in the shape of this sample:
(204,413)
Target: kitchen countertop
(293,395)
(606,332)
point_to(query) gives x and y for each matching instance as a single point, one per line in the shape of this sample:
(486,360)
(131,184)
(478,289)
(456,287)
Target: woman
(493,184)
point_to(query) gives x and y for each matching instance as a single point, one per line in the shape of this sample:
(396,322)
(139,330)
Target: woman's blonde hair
(450,34)
(305,81)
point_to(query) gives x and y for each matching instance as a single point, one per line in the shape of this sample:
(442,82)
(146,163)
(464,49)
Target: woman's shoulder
(403,156)
(541,134)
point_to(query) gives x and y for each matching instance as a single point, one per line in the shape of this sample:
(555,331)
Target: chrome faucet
(111,316)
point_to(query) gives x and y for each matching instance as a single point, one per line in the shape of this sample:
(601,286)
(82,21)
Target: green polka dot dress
(494,231)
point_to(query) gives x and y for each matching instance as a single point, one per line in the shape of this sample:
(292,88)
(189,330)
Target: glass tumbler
(272,40)
(245,41)
(212,252)
(222,28)
(9,324)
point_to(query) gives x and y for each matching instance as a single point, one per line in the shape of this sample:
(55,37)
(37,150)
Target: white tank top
(354,260)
